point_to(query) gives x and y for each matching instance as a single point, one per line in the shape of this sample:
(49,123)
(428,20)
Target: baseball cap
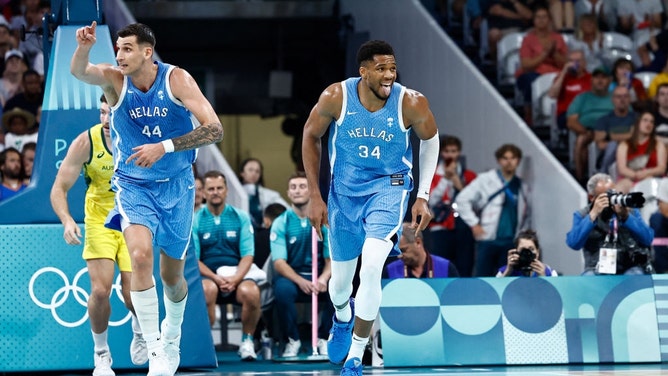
(600,70)
(662,190)
(13,53)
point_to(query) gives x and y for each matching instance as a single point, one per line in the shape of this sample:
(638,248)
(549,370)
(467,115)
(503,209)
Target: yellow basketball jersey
(97,173)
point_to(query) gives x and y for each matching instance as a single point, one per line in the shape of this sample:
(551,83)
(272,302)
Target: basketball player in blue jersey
(159,117)
(370,119)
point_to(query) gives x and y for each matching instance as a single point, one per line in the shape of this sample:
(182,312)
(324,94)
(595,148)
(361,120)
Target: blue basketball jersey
(369,151)
(146,118)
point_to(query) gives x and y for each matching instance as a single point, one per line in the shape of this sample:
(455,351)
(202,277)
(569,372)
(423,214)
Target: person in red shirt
(622,75)
(571,81)
(448,235)
(542,51)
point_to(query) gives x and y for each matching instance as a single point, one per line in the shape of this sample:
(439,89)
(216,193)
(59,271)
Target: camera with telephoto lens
(526,257)
(629,200)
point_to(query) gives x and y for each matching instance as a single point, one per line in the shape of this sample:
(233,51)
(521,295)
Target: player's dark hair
(371,48)
(143,33)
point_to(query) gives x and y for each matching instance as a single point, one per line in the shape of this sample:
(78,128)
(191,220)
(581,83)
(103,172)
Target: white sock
(146,308)
(357,347)
(100,341)
(344,314)
(174,316)
(135,324)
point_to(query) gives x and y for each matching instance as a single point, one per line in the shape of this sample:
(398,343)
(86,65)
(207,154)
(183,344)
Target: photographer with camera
(610,231)
(524,259)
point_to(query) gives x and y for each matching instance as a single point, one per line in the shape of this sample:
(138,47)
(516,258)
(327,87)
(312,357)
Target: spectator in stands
(641,156)
(291,252)
(661,113)
(7,41)
(28,157)
(19,127)
(659,223)
(563,15)
(622,75)
(31,19)
(11,168)
(652,55)
(542,51)
(199,193)
(223,240)
(10,83)
(571,81)
(659,79)
(501,210)
(415,261)
(640,19)
(504,17)
(31,96)
(262,234)
(589,39)
(449,236)
(598,222)
(614,127)
(582,115)
(604,12)
(259,197)
(524,259)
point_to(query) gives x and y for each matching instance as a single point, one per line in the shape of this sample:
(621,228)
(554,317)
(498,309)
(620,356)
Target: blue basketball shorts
(165,208)
(353,219)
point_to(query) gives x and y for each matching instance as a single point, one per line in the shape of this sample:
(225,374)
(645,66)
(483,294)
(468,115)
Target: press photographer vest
(597,239)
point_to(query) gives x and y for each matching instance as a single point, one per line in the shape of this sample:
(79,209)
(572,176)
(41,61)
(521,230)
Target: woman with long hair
(259,197)
(642,156)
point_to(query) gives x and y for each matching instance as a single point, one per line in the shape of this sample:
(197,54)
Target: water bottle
(266,345)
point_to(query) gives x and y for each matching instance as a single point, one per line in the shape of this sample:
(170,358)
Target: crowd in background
(21,91)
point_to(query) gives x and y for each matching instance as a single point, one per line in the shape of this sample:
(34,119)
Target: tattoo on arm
(203,135)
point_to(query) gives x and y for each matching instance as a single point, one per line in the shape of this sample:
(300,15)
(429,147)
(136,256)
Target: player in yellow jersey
(103,247)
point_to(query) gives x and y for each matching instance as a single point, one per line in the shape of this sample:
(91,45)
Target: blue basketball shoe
(341,337)
(353,367)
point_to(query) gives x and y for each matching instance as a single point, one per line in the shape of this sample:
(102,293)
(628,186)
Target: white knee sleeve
(341,283)
(369,293)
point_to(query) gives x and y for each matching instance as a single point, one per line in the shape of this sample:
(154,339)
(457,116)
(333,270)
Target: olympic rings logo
(80,295)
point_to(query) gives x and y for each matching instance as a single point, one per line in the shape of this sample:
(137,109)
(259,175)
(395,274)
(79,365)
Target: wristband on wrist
(168,145)
(423,195)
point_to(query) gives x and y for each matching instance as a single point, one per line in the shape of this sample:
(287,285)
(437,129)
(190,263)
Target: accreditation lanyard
(607,256)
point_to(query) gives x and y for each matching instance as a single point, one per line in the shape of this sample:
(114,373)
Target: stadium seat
(615,46)
(645,77)
(508,58)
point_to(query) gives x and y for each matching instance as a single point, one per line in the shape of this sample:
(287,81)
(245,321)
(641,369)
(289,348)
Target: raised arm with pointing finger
(159,116)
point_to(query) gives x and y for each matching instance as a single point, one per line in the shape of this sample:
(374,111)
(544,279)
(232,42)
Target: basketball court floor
(230,365)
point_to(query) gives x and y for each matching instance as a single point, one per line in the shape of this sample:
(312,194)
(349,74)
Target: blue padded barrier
(564,320)
(43,319)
